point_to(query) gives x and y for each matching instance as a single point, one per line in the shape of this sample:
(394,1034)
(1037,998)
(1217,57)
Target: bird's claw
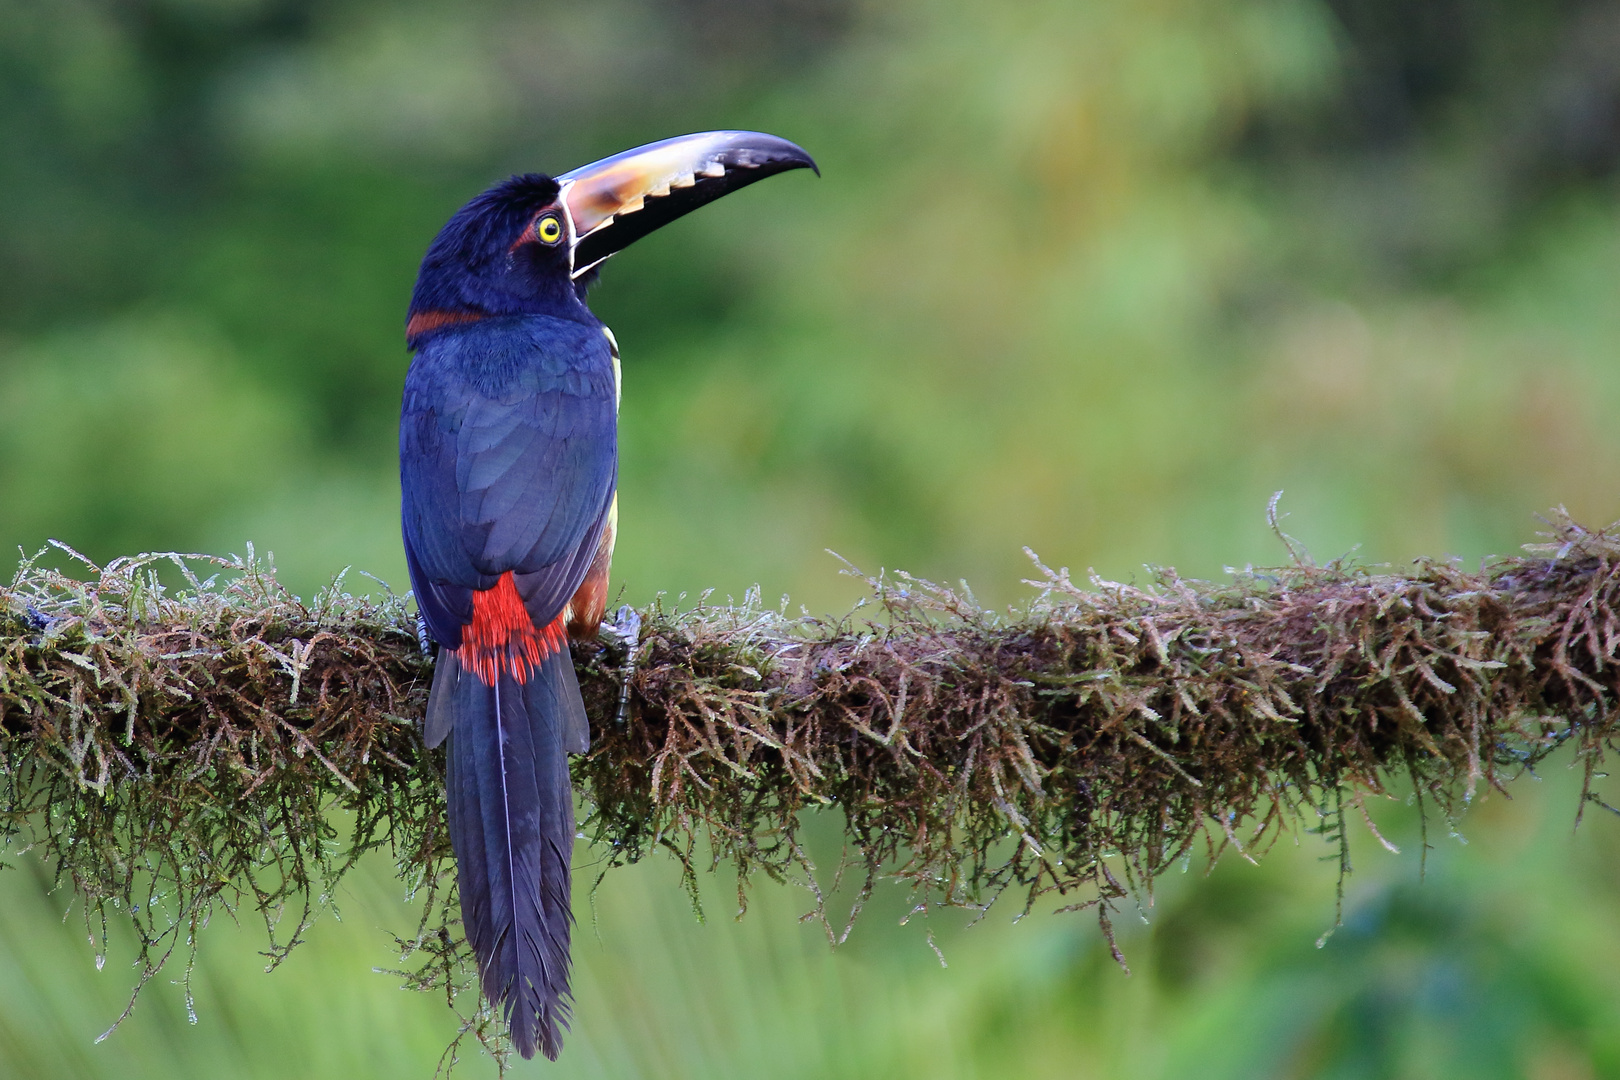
(625,631)
(424,639)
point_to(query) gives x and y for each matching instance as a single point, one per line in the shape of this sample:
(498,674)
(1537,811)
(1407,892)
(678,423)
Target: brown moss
(178,753)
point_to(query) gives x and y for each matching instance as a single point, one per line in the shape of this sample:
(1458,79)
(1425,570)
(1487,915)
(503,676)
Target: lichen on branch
(221,745)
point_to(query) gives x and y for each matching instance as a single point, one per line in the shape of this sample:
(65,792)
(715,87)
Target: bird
(508,465)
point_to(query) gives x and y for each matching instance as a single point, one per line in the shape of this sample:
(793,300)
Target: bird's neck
(429,314)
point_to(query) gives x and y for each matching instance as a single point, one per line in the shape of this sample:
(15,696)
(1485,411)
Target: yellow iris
(548,229)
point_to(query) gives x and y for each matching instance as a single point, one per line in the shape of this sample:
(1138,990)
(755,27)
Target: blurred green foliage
(1095,277)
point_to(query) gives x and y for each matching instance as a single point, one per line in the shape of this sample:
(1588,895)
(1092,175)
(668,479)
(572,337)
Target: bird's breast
(509,360)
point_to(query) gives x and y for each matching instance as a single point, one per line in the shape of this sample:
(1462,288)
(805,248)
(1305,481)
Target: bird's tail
(512,827)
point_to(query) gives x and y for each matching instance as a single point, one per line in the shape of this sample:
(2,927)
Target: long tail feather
(512,827)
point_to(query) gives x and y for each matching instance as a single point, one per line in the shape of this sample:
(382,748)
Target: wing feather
(508,462)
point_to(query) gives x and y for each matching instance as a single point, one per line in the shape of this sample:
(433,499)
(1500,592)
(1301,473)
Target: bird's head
(529,244)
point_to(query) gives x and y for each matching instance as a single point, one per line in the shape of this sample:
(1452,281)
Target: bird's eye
(548,230)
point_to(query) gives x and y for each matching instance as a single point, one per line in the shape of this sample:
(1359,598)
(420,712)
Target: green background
(1092,277)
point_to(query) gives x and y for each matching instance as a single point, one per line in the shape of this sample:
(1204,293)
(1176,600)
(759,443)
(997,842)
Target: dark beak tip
(781,156)
(805,162)
(801,159)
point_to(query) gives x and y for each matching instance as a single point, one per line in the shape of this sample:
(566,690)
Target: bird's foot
(624,631)
(424,639)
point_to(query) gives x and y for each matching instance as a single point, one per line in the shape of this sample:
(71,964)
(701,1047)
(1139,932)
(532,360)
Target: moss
(176,754)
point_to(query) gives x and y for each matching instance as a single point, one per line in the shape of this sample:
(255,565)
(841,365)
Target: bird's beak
(613,202)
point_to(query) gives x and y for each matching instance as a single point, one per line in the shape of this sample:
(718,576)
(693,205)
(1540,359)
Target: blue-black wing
(508,460)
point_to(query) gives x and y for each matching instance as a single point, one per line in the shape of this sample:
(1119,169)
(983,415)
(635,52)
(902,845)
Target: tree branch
(223,745)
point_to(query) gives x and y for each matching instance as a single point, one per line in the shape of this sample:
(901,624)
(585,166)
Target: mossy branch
(226,746)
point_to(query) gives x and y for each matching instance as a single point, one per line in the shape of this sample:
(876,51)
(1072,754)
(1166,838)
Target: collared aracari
(508,464)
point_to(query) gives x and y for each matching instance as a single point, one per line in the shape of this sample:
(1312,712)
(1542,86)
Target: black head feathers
(476,266)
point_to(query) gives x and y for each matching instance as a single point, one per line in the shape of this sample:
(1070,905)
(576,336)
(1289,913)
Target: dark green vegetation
(1091,277)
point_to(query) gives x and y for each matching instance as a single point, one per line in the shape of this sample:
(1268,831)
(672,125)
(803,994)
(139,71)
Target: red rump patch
(502,637)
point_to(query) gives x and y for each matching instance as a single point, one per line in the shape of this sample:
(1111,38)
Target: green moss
(178,754)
